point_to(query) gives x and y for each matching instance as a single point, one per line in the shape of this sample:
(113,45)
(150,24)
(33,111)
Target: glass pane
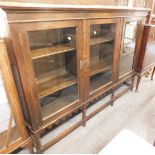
(7,136)
(128,50)
(54,57)
(102,39)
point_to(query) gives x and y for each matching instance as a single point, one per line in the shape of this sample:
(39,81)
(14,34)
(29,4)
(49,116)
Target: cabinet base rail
(36,135)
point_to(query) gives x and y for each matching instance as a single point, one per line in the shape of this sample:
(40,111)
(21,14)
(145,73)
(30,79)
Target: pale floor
(133,111)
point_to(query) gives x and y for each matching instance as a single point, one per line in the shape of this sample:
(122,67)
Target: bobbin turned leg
(37,142)
(132,82)
(84,116)
(152,73)
(138,81)
(112,96)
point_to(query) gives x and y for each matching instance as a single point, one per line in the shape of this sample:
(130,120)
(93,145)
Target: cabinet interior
(54,58)
(129,45)
(102,40)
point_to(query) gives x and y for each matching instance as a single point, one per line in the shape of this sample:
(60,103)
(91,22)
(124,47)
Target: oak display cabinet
(67,57)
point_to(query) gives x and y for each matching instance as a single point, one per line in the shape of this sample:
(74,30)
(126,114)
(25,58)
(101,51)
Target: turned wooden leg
(132,82)
(37,143)
(84,116)
(112,97)
(138,81)
(152,73)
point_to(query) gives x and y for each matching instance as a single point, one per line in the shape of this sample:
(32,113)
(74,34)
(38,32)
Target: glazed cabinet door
(52,54)
(131,37)
(102,55)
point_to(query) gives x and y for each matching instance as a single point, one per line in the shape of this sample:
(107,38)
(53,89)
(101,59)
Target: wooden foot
(138,81)
(84,116)
(152,73)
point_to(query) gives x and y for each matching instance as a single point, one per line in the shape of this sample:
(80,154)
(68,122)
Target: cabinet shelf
(59,103)
(98,81)
(47,51)
(99,40)
(98,68)
(53,85)
(50,75)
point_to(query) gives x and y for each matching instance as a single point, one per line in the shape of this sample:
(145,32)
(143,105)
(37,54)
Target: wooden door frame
(137,47)
(90,22)
(24,61)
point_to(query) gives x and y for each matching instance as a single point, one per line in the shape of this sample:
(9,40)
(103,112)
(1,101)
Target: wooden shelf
(100,80)
(47,51)
(54,105)
(98,68)
(102,39)
(51,75)
(53,85)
